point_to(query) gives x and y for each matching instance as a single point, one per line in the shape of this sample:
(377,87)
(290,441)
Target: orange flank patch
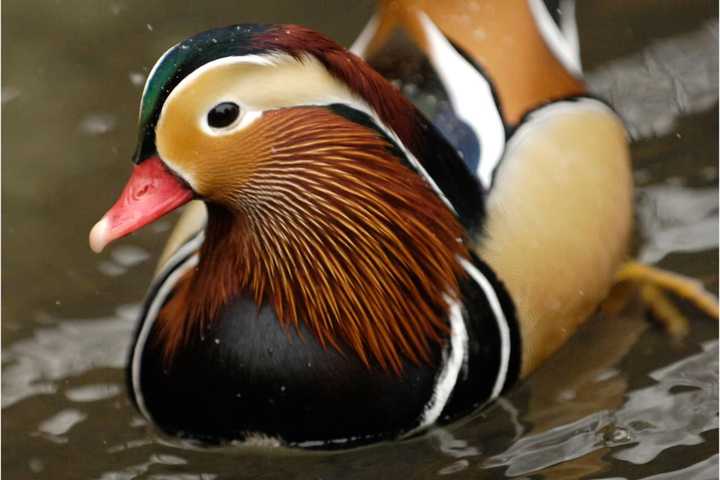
(334,232)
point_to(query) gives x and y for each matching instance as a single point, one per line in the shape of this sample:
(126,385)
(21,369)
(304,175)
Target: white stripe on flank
(455,358)
(152,313)
(471,98)
(564,45)
(502,323)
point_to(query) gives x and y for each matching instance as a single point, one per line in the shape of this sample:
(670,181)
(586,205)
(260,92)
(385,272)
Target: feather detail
(335,231)
(392,108)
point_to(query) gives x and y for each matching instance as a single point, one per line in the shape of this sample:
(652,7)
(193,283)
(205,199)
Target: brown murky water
(622,400)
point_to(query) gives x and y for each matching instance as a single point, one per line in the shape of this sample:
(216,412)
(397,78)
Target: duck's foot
(653,283)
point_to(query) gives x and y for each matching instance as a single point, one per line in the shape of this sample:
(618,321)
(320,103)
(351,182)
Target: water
(622,400)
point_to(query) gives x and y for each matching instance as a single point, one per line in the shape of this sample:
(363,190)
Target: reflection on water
(677,219)
(122,258)
(703,470)
(673,412)
(668,78)
(60,423)
(97,123)
(92,393)
(137,471)
(9,94)
(559,425)
(621,400)
(73,347)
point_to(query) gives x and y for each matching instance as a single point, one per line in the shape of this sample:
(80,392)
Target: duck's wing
(452,91)
(484,78)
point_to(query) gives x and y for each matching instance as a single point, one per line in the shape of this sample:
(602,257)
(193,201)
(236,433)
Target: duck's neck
(342,237)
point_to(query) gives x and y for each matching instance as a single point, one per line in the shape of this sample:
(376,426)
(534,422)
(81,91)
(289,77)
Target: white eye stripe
(247,117)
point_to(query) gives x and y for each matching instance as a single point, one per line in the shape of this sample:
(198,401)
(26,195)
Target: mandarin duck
(350,270)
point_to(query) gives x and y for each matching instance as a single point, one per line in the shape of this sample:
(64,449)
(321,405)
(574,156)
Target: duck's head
(205,112)
(306,154)
(214,103)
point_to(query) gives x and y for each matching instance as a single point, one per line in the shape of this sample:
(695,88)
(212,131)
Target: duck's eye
(223,114)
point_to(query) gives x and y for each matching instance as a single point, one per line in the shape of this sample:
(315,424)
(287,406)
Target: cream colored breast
(559,219)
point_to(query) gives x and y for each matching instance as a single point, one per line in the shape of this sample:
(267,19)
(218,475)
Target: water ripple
(677,219)
(37,365)
(660,416)
(669,78)
(674,411)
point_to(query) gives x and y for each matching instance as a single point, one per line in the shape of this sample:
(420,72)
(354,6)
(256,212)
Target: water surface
(622,400)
